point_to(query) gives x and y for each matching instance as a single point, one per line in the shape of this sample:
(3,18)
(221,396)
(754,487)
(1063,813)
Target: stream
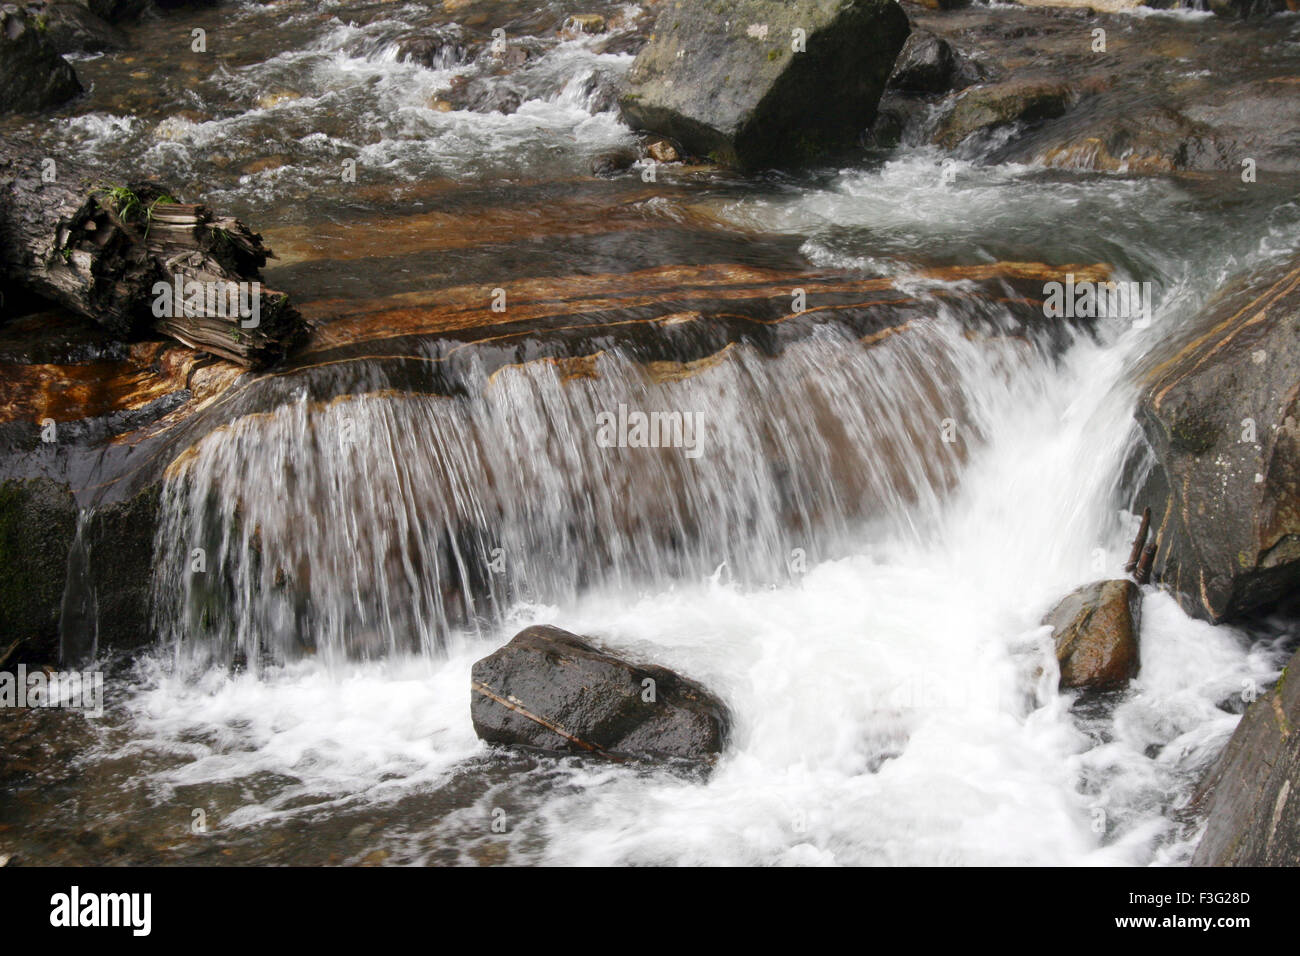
(864,593)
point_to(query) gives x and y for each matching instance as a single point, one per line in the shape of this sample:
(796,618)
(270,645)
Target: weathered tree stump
(137,261)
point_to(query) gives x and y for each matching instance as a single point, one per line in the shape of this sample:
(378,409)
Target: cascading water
(896,703)
(377,523)
(863,594)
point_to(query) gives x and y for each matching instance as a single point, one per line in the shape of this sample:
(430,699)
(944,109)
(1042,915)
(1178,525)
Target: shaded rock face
(722,77)
(92,589)
(32,74)
(73,28)
(1096,632)
(118,568)
(117,11)
(1247,9)
(550,690)
(1252,794)
(38,519)
(1220,409)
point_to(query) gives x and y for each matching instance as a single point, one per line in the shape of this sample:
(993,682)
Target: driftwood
(1143,574)
(1139,542)
(138,262)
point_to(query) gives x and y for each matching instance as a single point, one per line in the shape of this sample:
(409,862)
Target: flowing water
(863,594)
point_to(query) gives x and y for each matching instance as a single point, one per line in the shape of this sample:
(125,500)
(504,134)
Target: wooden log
(1139,542)
(1143,575)
(136,261)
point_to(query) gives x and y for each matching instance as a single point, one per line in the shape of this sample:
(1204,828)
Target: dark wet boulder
(925,65)
(1220,409)
(994,105)
(755,83)
(613,162)
(33,76)
(552,691)
(1251,796)
(73,28)
(38,519)
(1095,629)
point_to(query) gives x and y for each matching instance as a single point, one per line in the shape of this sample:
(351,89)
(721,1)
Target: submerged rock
(33,76)
(1220,409)
(613,162)
(581,23)
(437,49)
(550,690)
(1252,794)
(753,83)
(1096,632)
(1001,104)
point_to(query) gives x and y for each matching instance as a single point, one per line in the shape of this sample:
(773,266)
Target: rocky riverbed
(500,221)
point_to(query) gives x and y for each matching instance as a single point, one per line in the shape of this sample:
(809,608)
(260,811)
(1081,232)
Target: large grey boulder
(1220,409)
(724,77)
(1252,794)
(32,74)
(552,691)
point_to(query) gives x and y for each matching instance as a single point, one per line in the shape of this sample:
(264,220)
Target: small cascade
(375,523)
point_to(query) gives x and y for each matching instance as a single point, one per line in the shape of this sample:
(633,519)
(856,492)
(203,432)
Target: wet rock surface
(988,107)
(33,76)
(724,79)
(37,520)
(74,28)
(1252,794)
(1096,631)
(553,691)
(1221,413)
(928,64)
(1052,89)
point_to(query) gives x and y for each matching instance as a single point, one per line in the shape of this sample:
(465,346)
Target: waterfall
(374,523)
